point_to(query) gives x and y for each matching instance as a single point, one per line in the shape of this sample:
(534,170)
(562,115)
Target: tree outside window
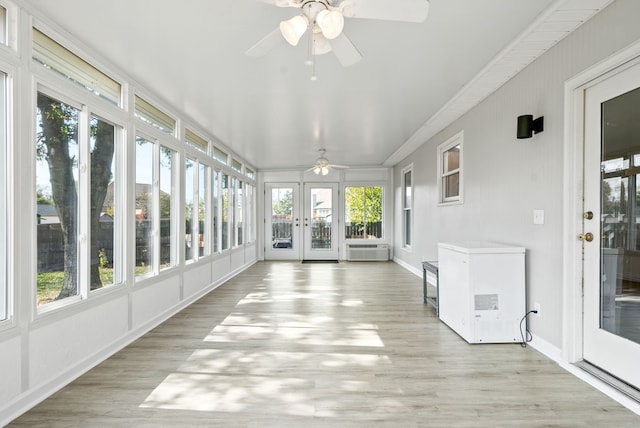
(363,212)
(58,150)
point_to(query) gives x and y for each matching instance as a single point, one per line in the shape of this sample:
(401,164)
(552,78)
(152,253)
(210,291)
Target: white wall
(505,179)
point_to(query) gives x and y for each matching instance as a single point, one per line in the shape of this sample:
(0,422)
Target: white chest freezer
(482,290)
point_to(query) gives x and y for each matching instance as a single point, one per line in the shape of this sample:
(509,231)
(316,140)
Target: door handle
(586,237)
(588,215)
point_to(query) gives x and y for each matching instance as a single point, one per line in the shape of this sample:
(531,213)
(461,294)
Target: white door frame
(295,252)
(572,329)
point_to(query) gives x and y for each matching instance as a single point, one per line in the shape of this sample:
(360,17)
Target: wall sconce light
(527,126)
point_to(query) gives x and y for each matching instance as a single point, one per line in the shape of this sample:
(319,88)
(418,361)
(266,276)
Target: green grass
(50,283)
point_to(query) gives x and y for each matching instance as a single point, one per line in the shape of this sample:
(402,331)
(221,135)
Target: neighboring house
(47,214)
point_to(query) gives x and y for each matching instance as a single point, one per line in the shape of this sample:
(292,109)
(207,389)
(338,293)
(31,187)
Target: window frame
(191,191)
(119,241)
(5,179)
(249,213)
(99,82)
(443,200)
(407,207)
(364,186)
(88,107)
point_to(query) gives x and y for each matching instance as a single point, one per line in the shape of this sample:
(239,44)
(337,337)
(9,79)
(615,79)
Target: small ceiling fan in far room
(324,20)
(322,165)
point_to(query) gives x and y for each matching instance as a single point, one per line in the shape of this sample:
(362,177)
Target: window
(239,218)
(195,209)
(57,154)
(105,216)
(194,140)
(144,206)
(407,204)
(216,212)
(3,25)
(224,207)
(233,220)
(155,211)
(363,212)
(166,200)
(450,170)
(55,57)
(154,116)
(220,156)
(249,173)
(203,191)
(249,217)
(4,292)
(236,165)
(190,210)
(72,205)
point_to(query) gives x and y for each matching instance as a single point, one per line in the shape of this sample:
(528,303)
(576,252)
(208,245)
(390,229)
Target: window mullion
(84,204)
(155,198)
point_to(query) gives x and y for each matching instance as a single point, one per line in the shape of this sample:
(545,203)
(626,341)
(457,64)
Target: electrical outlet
(536,307)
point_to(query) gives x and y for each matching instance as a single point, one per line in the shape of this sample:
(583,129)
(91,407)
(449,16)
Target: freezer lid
(481,247)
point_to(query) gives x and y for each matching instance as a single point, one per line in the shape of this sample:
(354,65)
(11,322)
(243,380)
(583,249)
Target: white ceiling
(190,54)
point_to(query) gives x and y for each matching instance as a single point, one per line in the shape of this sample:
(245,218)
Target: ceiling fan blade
(345,51)
(266,44)
(338,166)
(282,3)
(397,10)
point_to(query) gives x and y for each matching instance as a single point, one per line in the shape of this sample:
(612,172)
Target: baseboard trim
(408,267)
(555,354)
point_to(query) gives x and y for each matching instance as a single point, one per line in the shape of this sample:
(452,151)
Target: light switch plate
(538,216)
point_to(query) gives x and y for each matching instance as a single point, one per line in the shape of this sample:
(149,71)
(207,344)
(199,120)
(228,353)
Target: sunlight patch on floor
(291,383)
(301,336)
(219,393)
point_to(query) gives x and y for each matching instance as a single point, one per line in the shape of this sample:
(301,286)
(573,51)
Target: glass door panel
(283,222)
(612,207)
(319,221)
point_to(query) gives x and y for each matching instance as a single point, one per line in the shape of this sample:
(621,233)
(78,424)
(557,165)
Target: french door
(321,221)
(611,236)
(310,236)
(282,225)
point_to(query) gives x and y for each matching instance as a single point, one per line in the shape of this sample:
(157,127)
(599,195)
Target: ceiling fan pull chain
(310,59)
(314,77)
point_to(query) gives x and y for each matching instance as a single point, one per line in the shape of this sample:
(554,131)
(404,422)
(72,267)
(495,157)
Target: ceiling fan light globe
(321,45)
(317,170)
(293,29)
(325,170)
(331,22)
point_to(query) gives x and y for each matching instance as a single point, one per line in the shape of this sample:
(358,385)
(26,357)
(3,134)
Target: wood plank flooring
(286,344)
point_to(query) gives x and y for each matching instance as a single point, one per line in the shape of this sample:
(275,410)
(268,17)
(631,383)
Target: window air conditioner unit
(367,252)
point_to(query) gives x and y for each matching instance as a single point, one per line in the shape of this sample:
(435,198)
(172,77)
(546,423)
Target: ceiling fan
(322,165)
(324,21)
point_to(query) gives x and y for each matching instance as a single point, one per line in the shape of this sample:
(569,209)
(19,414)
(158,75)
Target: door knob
(588,215)
(586,237)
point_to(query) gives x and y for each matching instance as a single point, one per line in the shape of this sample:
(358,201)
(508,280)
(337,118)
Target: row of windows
(81,200)
(114,204)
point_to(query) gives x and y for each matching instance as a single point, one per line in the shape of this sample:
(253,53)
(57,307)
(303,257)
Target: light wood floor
(286,344)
